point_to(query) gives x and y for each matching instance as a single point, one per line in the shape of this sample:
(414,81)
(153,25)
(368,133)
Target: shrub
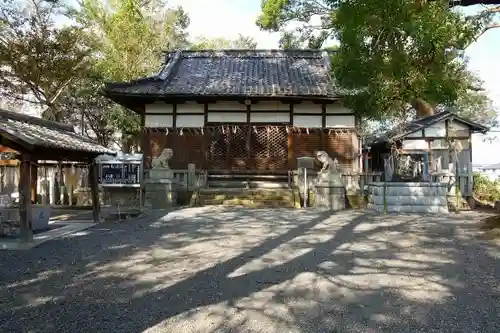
(485,189)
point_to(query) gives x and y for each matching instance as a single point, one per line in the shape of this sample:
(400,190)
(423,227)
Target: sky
(228,18)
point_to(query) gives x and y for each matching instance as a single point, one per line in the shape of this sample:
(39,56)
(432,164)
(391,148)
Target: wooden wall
(278,152)
(265,135)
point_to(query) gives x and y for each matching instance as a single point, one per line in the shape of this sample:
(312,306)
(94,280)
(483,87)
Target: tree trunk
(423,108)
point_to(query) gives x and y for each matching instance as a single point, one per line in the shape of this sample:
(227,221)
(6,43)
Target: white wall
(190,108)
(269,117)
(227,106)
(191,114)
(436,130)
(159,107)
(158,120)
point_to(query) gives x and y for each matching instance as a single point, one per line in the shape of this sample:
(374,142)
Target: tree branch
(492,26)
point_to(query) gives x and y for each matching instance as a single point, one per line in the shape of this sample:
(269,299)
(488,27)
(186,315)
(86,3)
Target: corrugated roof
(38,132)
(252,73)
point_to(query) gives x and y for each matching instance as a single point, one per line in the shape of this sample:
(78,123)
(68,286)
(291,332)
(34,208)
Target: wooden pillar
(249,145)
(229,161)
(290,150)
(431,157)
(25,198)
(34,182)
(206,148)
(145,144)
(94,188)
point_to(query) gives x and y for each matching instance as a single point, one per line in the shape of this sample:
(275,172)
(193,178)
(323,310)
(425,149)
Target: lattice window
(238,148)
(188,148)
(218,149)
(306,145)
(269,148)
(340,146)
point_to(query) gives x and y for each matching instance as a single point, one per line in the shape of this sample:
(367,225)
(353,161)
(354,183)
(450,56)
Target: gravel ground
(214,269)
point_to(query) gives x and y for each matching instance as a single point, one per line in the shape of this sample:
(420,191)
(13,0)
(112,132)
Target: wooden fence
(356,181)
(51,191)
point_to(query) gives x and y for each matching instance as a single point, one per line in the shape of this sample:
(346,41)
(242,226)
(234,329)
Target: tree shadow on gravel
(243,270)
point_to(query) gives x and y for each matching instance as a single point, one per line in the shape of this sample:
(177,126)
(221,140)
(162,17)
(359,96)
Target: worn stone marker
(190,183)
(160,189)
(330,188)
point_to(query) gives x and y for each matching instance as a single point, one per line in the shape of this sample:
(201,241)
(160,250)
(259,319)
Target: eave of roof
(422,123)
(32,133)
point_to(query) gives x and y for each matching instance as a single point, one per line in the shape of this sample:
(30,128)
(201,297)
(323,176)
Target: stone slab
(410,209)
(409,184)
(410,200)
(408,190)
(40,215)
(72,227)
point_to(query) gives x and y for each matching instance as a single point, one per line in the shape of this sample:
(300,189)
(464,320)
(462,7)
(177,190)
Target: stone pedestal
(330,197)
(160,189)
(399,197)
(330,191)
(160,174)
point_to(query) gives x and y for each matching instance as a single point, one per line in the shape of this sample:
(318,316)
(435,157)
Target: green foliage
(55,57)
(392,54)
(485,189)
(397,52)
(84,106)
(38,60)
(132,36)
(242,42)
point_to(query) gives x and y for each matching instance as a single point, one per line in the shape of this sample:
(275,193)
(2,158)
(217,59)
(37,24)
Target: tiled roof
(266,73)
(418,124)
(35,132)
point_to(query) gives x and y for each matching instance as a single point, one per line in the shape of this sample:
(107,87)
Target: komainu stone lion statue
(329,173)
(329,165)
(161,162)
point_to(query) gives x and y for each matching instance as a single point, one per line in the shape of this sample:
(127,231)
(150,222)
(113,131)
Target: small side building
(429,137)
(33,139)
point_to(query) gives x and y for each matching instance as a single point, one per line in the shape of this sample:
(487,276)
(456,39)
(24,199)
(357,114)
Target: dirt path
(243,270)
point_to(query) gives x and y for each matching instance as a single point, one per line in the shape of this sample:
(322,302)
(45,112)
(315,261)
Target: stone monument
(330,189)
(160,188)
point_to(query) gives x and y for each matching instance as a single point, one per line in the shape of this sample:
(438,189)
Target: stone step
(247,176)
(250,197)
(237,192)
(202,198)
(246,184)
(247,202)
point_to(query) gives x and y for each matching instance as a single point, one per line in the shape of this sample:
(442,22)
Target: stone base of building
(401,197)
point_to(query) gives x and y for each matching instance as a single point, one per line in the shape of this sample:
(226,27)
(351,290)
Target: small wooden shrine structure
(37,139)
(442,138)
